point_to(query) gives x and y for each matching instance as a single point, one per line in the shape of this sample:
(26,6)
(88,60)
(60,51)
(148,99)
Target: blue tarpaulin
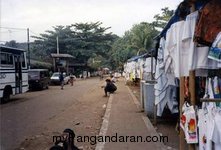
(135,58)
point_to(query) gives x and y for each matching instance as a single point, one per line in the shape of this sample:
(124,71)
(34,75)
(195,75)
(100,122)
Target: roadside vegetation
(93,44)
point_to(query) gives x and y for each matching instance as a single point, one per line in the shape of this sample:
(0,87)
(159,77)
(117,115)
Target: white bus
(13,72)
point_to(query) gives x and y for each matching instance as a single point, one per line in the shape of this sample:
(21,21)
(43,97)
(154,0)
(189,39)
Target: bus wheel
(6,94)
(6,97)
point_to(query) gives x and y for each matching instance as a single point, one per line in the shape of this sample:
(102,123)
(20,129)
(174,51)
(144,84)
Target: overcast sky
(41,15)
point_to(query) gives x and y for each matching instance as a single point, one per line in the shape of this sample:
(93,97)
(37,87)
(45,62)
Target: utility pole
(57,46)
(57,59)
(29,55)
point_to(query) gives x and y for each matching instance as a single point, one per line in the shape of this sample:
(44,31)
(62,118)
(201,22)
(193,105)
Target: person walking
(61,77)
(72,79)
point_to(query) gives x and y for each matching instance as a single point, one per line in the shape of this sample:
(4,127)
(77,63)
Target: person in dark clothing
(110,87)
(61,78)
(66,141)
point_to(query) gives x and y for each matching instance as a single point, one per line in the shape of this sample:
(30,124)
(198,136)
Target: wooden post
(54,64)
(67,66)
(192,89)
(155,115)
(182,137)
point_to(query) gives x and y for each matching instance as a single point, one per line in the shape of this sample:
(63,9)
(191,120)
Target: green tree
(142,37)
(162,19)
(92,40)
(12,43)
(138,40)
(46,43)
(82,40)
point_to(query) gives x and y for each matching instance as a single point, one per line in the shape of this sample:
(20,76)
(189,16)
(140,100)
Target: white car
(55,78)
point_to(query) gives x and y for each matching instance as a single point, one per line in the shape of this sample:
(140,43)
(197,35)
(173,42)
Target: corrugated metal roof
(11,50)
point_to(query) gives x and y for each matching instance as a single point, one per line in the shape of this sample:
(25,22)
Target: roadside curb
(150,127)
(104,126)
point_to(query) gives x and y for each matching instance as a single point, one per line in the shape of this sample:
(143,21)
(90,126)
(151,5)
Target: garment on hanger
(160,75)
(188,123)
(210,88)
(197,55)
(187,37)
(169,49)
(209,121)
(204,143)
(210,127)
(209,24)
(216,87)
(147,65)
(216,137)
(212,115)
(176,54)
(165,89)
(215,50)
(181,12)
(168,98)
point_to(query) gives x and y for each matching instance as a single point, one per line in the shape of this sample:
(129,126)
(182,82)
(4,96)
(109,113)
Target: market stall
(189,60)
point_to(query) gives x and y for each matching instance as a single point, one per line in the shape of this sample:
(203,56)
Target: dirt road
(31,119)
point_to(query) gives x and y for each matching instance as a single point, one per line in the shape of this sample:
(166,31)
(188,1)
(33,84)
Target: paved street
(30,121)
(33,114)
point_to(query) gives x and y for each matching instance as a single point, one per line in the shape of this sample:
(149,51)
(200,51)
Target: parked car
(55,78)
(38,78)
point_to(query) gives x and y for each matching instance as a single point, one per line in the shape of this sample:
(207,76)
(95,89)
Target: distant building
(61,62)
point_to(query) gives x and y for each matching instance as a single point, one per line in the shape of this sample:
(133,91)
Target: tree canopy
(136,41)
(91,43)
(162,19)
(139,39)
(82,40)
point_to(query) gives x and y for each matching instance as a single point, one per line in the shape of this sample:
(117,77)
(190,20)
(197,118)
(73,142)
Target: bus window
(23,61)
(6,59)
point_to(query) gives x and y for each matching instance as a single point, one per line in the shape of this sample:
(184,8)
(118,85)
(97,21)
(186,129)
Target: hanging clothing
(176,51)
(187,37)
(215,50)
(188,123)
(160,75)
(209,121)
(161,85)
(169,98)
(181,52)
(197,55)
(209,24)
(216,87)
(165,89)
(169,48)
(181,12)
(147,65)
(204,143)
(210,128)
(216,137)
